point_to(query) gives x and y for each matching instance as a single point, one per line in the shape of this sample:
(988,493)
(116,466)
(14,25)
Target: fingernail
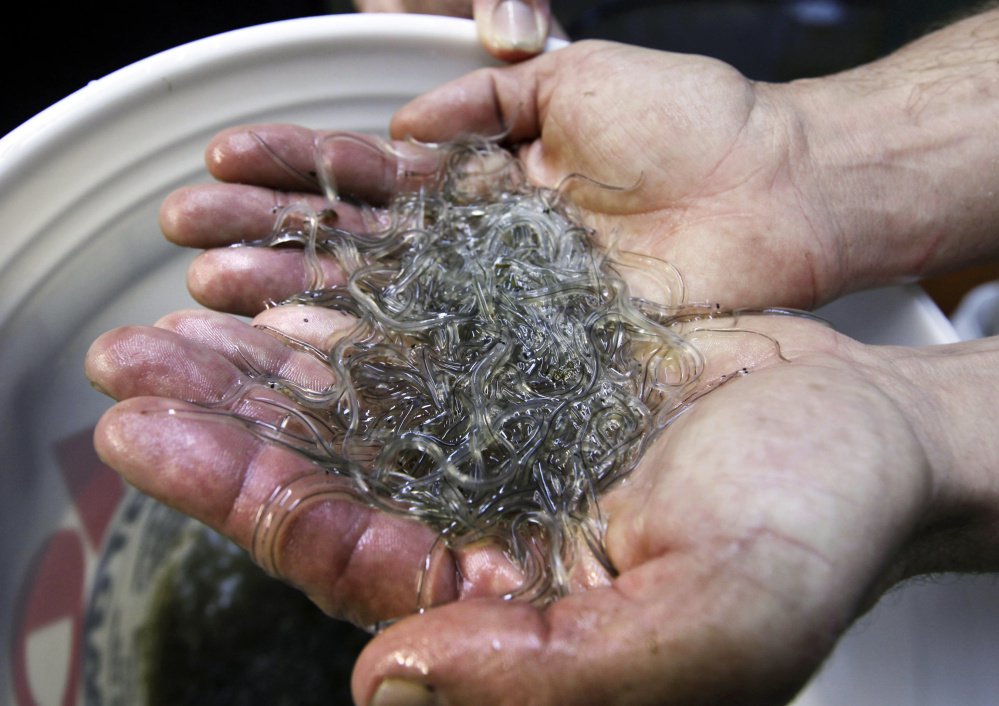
(97,386)
(402,692)
(516,24)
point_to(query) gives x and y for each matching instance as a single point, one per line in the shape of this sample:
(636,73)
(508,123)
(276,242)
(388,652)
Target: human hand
(510,29)
(761,194)
(715,175)
(751,534)
(764,194)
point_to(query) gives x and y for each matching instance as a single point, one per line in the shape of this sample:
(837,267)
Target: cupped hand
(751,534)
(710,172)
(511,30)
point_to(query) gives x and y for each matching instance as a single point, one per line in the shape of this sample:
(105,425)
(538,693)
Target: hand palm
(746,541)
(708,161)
(742,522)
(706,167)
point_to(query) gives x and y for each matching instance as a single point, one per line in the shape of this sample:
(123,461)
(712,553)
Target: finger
(206,463)
(253,350)
(315,326)
(214,215)
(291,157)
(142,360)
(354,562)
(502,101)
(266,345)
(225,476)
(203,357)
(512,30)
(136,361)
(245,280)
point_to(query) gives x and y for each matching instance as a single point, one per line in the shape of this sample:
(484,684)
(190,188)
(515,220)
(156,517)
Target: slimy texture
(499,378)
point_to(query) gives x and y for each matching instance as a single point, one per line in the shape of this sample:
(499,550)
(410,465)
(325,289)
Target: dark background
(49,51)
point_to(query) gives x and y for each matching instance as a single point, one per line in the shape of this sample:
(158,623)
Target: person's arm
(903,155)
(949,397)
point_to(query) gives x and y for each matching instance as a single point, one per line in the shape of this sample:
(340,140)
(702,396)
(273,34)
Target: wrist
(947,395)
(900,157)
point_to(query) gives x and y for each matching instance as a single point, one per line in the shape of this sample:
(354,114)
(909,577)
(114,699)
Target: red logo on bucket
(47,636)
(51,611)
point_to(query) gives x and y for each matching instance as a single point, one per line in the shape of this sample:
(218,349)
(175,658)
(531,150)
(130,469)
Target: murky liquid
(220,631)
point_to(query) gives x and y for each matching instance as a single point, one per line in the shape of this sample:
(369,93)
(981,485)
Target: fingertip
(93,366)
(403,692)
(185,321)
(226,144)
(181,461)
(171,214)
(214,280)
(117,431)
(486,651)
(106,358)
(200,280)
(199,215)
(275,154)
(104,438)
(246,280)
(508,54)
(512,30)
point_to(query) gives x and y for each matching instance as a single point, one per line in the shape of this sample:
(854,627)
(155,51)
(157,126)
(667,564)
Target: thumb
(602,646)
(484,651)
(513,30)
(502,102)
